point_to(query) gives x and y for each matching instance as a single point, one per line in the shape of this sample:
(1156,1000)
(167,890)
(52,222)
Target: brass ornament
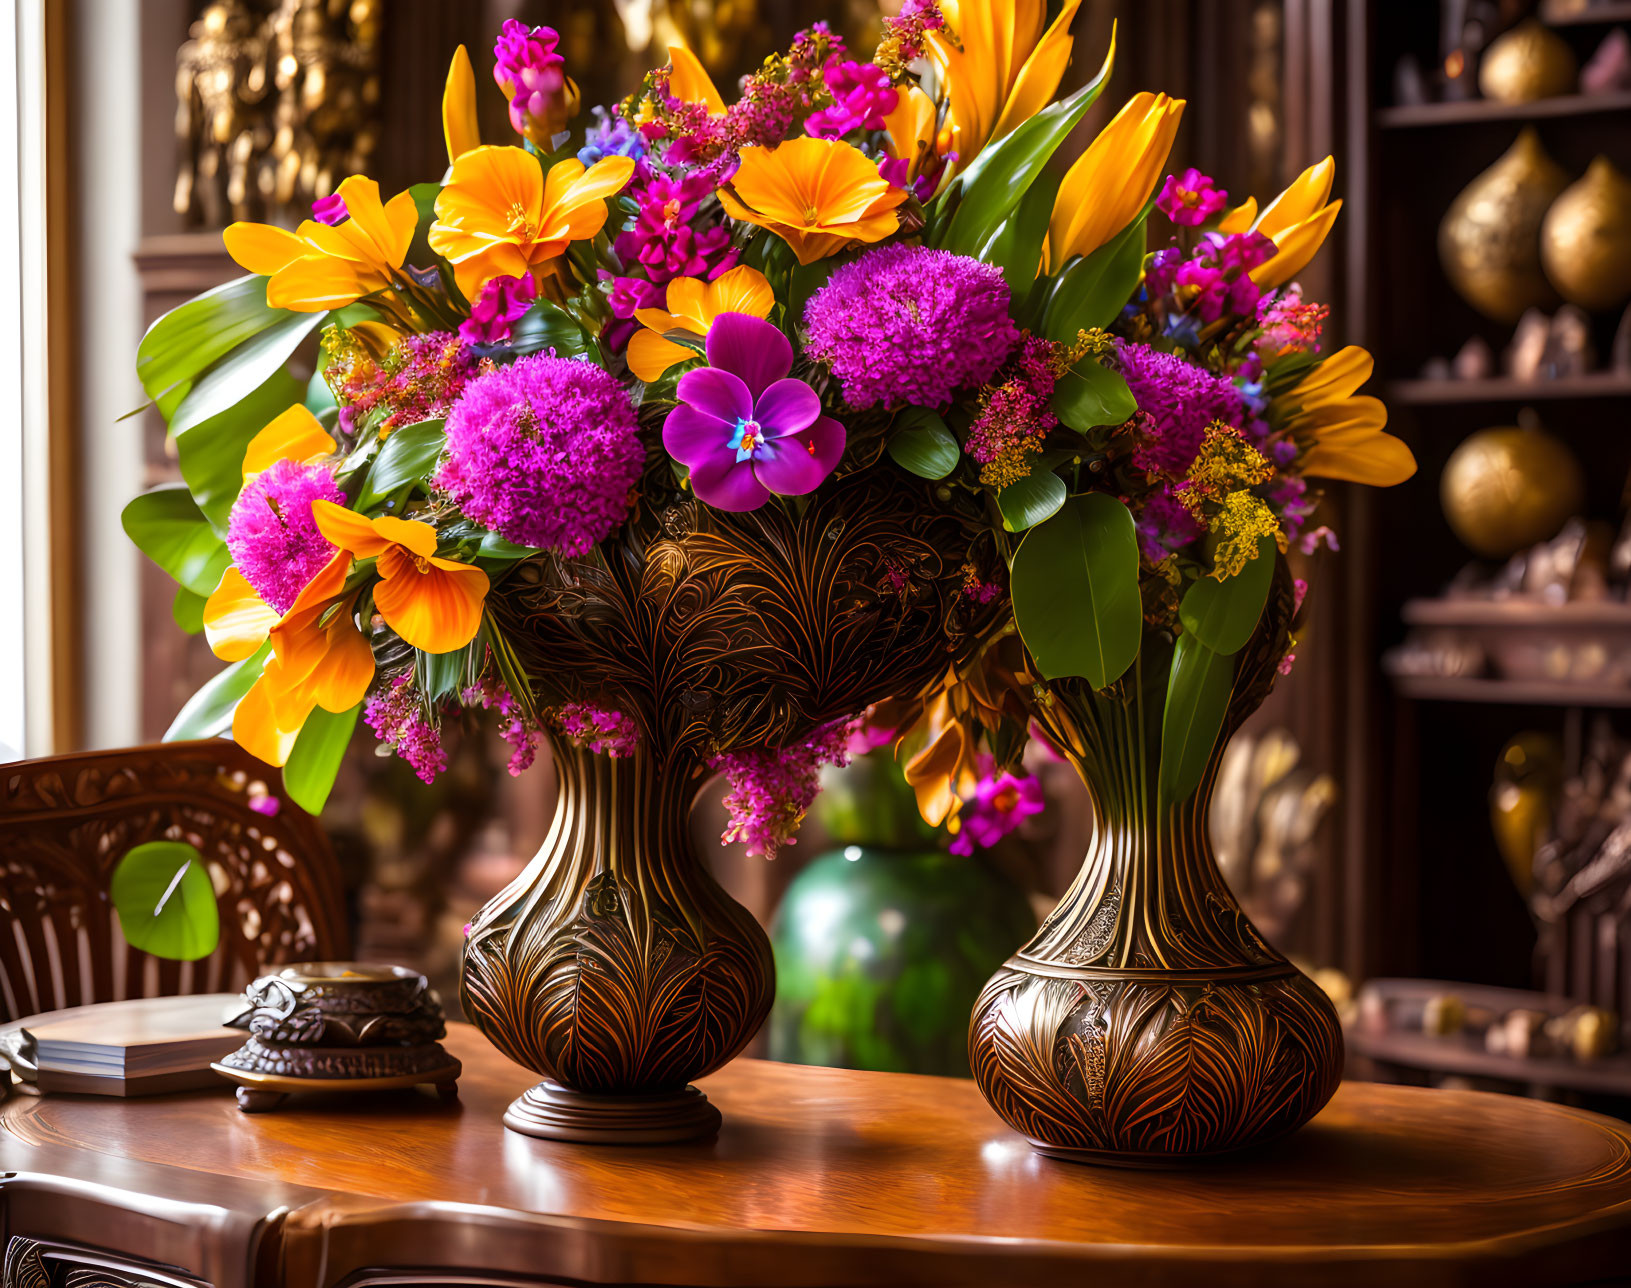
(1585,242)
(1527,63)
(1489,241)
(1148,1023)
(1505,489)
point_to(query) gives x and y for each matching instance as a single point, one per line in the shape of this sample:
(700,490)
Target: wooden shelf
(1461,1055)
(1518,612)
(1476,110)
(1440,393)
(1515,693)
(1597,16)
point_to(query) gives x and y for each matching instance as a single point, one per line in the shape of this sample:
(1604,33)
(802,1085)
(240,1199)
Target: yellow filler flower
(1297,221)
(999,66)
(433,604)
(1111,181)
(500,216)
(692,307)
(820,196)
(318,267)
(1341,433)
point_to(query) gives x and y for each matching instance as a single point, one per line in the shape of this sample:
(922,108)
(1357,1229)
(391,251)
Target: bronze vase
(614,965)
(1148,1023)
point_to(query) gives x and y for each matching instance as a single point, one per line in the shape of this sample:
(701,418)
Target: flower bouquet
(681,441)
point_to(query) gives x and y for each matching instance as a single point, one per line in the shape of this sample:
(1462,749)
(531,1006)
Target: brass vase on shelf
(1506,488)
(1585,241)
(1148,1023)
(1527,63)
(1489,240)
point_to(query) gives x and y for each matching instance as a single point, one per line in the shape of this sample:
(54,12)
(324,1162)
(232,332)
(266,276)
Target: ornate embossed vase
(614,965)
(1148,1023)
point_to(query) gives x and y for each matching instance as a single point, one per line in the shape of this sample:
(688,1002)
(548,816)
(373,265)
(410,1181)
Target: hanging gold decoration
(1585,242)
(1529,62)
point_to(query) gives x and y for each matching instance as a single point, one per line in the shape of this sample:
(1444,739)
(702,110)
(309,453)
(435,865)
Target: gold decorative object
(1585,242)
(1528,777)
(1507,488)
(1443,1014)
(274,108)
(1489,241)
(1528,62)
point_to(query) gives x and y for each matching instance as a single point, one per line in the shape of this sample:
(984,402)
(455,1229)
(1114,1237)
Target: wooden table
(819,1177)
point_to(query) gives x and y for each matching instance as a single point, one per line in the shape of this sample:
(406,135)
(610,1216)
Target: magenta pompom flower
(500,306)
(1180,401)
(544,452)
(907,324)
(271,534)
(743,428)
(1191,198)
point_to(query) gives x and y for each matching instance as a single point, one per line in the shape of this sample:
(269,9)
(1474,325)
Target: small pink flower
(1190,199)
(330,210)
(502,303)
(265,805)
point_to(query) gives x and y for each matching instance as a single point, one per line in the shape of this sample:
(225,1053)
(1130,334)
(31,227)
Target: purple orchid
(743,428)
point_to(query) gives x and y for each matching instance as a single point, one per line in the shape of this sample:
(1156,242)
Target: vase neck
(619,813)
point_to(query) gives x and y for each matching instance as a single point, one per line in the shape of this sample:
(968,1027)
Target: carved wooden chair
(66,821)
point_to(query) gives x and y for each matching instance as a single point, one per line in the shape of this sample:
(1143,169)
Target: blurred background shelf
(1476,110)
(1434,393)
(1603,15)
(1513,693)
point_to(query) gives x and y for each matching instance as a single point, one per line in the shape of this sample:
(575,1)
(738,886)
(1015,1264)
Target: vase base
(553,1112)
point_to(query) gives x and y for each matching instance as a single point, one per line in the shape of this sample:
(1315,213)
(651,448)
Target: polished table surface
(824,1176)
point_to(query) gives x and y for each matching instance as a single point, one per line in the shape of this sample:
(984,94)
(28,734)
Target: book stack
(141,1047)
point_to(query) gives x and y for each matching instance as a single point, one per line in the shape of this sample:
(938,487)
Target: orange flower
(688,80)
(818,195)
(318,267)
(292,435)
(692,307)
(1297,221)
(499,216)
(1341,428)
(433,604)
(912,132)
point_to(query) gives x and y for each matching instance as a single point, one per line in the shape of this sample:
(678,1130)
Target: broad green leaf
(547,326)
(1075,589)
(922,444)
(407,456)
(1092,292)
(439,675)
(1223,614)
(1198,691)
(494,546)
(993,185)
(187,340)
(162,894)
(805,281)
(211,454)
(208,713)
(315,758)
(187,610)
(249,366)
(1033,500)
(1090,395)
(168,527)
(1016,246)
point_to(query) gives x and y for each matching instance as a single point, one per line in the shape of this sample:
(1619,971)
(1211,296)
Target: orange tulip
(499,216)
(818,195)
(318,267)
(459,128)
(1341,431)
(1297,221)
(692,307)
(433,604)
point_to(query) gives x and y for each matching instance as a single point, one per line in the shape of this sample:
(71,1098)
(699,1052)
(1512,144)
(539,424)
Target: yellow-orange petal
(261,248)
(459,129)
(292,435)
(255,726)
(319,283)
(932,774)
(742,289)
(437,609)
(1303,196)
(649,355)
(349,530)
(1338,377)
(1034,87)
(1376,459)
(411,534)
(1241,218)
(236,619)
(689,80)
(1295,247)
(686,298)
(341,677)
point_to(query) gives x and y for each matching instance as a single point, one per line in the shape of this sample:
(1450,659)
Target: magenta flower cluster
(1289,325)
(1001,802)
(397,716)
(1181,400)
(1215,278)
(662,238)
(502,303)
(906,34)
(490,695)
(532,75)
(604,730)
(544,452)
(1190,199)
(271,534)
(862,98)
(907,324)
(770,790)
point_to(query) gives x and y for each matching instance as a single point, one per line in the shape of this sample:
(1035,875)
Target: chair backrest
(66,821)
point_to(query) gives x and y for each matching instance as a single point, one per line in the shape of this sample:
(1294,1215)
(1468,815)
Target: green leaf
(548,326)
(1092,292)
(211,453)
(188,339)
(1090,395)
(187,610)
(165,902)
(992,187)
(208,713)
(1033,500)
(494,546)
(805,281)
(1075,589)
(1223,614)
(1016,247)
(249,366)
(440,674)
(407,456)
(315,758)
(168,527)
(1198,691)
(922,444)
